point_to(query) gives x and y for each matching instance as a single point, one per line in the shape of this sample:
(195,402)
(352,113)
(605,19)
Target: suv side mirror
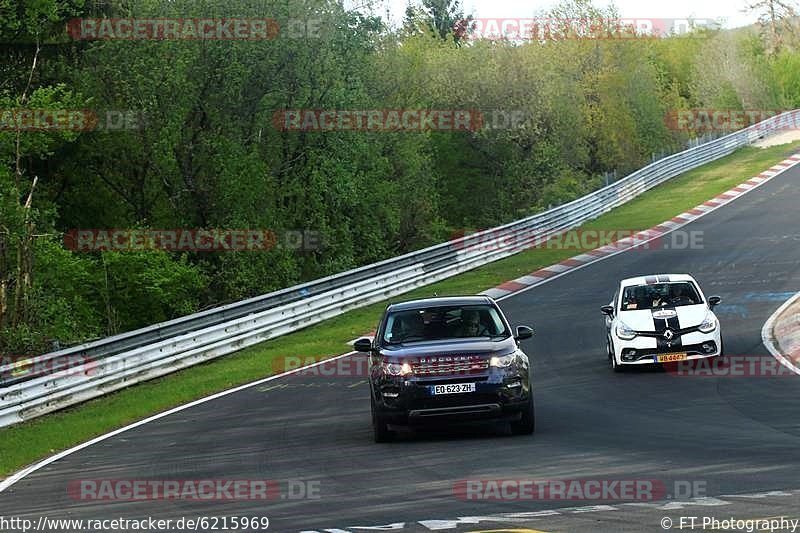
(363,345)
(714,301)
(608,310)
(523,332)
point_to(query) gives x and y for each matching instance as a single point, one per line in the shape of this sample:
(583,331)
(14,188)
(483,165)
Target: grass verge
(25,443)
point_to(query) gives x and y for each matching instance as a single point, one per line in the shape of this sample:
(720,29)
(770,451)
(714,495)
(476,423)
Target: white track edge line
(15,478)
(18,476)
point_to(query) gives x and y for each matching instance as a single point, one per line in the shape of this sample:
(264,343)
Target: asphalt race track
(737,438)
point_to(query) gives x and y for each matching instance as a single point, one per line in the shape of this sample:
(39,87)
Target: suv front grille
(448,365)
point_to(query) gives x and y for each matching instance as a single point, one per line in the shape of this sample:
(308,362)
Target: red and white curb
(523,283)
(543,274)
(781,334)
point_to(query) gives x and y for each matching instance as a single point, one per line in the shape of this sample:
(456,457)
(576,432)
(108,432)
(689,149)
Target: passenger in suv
(448,359)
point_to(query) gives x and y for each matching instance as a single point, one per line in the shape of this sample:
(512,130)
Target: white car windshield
(658,295)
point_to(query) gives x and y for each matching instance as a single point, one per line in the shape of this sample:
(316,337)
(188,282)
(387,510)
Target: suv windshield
(435,323)
(659,295)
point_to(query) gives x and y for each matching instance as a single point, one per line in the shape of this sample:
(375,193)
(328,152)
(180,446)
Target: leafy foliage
(205,153)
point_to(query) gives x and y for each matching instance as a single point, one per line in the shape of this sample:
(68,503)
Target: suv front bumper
(412,402)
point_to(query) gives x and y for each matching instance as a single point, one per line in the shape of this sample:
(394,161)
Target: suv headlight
(396,369)
(709,324)
(503,361)
(624,332)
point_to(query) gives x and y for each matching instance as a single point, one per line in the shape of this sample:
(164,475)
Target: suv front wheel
(380,429)
(527,424)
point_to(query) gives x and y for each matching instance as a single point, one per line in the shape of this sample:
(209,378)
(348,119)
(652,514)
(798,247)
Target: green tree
(441,18)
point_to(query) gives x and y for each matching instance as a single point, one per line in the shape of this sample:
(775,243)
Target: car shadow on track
(463,431)
(645,369)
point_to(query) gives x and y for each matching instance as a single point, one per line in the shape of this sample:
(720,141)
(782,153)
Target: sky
(730,12)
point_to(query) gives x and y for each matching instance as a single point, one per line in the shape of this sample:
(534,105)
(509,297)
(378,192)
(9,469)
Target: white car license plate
(670,357)
(456,388)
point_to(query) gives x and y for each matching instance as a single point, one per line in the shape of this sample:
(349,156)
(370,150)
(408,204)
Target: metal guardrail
(122,360)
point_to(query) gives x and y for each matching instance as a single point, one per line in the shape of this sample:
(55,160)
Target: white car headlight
(502,362)
(624,332)
(709,324)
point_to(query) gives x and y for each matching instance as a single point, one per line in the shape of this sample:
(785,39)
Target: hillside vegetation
(194,143)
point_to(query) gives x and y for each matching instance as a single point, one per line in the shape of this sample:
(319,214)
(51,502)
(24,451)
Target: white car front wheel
(612,360)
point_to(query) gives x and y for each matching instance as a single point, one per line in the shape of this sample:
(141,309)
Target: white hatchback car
(661,319)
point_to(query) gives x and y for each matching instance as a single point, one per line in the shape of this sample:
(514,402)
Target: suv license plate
(457,388)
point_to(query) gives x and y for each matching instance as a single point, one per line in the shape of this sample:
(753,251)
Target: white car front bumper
(643,350)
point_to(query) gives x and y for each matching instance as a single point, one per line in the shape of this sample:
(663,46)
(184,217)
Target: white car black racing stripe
(661,325)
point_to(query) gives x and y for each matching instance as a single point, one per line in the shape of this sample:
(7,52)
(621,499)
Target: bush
(142,288)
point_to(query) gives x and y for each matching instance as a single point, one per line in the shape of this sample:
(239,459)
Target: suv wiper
(406,339)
